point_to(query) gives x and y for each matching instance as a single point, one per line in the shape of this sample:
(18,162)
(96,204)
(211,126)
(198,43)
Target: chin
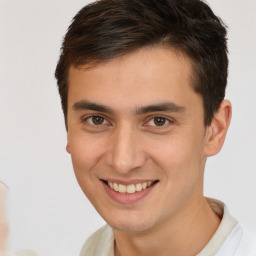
(130,224)
(129,227)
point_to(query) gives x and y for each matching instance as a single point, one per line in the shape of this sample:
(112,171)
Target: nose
(125,150)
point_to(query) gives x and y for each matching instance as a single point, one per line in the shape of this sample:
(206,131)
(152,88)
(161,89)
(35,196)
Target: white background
(47,210)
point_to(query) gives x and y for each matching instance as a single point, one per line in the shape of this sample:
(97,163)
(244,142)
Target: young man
(142,85)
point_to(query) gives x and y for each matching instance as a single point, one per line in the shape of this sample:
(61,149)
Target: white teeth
(130,189)
(138,187)
(144,185)
(111,184)
(115,187)
(122,188)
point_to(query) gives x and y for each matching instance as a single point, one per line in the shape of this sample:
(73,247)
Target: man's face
(133,121)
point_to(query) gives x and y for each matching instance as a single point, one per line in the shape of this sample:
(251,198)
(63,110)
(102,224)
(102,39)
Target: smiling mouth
(131,188)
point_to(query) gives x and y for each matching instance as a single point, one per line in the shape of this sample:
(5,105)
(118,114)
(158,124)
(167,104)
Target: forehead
(146,76)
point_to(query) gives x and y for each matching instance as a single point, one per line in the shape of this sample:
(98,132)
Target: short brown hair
(107,29)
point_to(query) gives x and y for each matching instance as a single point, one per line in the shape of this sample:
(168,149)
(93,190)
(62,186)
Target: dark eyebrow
(167,106)
(87,105)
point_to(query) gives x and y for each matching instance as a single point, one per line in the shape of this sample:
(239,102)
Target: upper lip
(128,182)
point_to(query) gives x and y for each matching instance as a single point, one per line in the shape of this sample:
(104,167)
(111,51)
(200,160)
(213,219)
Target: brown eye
(159,121)
(96,120)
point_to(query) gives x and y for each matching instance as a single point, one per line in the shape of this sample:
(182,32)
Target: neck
(183,235)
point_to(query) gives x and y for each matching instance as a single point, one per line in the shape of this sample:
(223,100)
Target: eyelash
(167,121)
(86,119)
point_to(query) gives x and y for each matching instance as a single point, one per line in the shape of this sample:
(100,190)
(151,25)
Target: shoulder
(231,237)
(240,242)
(100,243)
(247,245)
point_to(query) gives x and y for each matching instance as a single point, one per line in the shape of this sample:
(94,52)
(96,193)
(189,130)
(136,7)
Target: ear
(217,131)
(68,146)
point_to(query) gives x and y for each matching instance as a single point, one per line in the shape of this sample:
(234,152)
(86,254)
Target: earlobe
(217,131)
(68,147)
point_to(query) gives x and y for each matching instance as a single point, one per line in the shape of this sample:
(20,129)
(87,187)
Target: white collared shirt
(230,239)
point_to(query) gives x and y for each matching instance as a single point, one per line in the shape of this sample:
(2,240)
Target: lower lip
(126,198)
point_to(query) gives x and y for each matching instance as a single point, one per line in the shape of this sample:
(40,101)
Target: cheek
(85,154)
(179,158)
(84,150)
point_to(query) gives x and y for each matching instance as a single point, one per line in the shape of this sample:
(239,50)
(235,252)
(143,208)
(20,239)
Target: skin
(127,144)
